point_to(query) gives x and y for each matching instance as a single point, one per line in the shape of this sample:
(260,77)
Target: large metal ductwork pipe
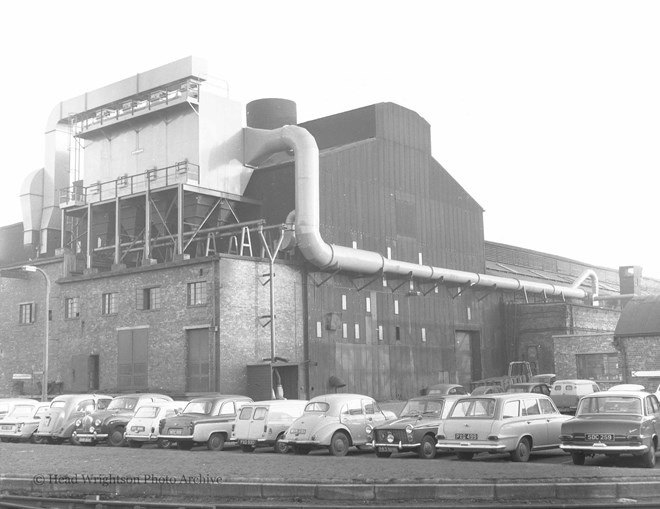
(261,142)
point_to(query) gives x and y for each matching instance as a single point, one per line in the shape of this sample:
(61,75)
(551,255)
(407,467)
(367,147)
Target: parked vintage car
(59,422)
(336,422)
(614,423)
(446,389)
(535,387)
(208,420)
(627,387)
(517,423)
(108,424)
(567,393)
(22,421)
(263,423)
(415,428)
(143,426)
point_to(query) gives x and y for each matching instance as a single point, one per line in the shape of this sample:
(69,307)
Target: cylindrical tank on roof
(271,113)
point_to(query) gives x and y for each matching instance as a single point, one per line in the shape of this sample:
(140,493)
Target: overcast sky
(546,112)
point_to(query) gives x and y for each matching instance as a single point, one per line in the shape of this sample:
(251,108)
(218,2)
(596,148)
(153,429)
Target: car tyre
(522,451)
(281,447)
(74,440)
(55,440)
(248,448)
(184,446)
(163,443)
(134,444)
(339,444)
(383,454)
(427,448)
(116,437)
(216,442)
(578,458)
(648,458)
(464,456)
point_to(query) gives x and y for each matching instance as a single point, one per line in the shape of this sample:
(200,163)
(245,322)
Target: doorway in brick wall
(198,363)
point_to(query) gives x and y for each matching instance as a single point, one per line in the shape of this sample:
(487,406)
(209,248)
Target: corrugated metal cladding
(640,317)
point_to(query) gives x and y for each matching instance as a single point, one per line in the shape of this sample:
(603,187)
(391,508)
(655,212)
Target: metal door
(198,377)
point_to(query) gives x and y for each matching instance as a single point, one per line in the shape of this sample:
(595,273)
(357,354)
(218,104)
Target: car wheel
(301,449)
(339,444)
(383,454)
(216,442)
(427,448)
(578,458)
(281,447)
(54,440)
(163,443)
(522,451)
(133,444)
(74,440)
(185,446)
(116,437)
(465,456)
(248,448)
(648,458)
(37,440)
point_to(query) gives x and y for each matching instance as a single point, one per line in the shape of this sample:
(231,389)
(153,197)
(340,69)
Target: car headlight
(91,429)
(390,438)
(97,422)
(370,430)
(78,423)
(409,432)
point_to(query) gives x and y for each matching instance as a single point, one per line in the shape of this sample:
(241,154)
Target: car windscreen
(317,406)
(473,407)
(198,407)
(122,404)
(21,411)
(58,404)
(147,412)
(418,407)
(609,405)
(246,413)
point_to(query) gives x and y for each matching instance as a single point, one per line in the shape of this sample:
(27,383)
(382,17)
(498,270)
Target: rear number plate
(84,439)
(6,427)
(247,442)
(137,428)
(466,436)
(175,431)
(598,437)
(388,449)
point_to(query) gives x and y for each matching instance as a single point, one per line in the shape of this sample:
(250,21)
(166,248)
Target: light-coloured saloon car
(336,422)
(614,423)
(208,420)
(23,420)
(263,423)
(59,422)
(517,423)
(143,426)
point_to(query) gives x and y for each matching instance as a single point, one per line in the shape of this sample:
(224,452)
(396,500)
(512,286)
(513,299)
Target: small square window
(344,330)
(343,302)
(368,304)
(396,307)
(148,298)
(380,333)
(26,313)
(357,331)
(109,304)
(197,293)
(319,330)
(424,334)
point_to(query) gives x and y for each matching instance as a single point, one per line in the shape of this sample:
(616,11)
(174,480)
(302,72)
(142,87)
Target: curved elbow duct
(261,142)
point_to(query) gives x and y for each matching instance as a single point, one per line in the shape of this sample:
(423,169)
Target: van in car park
(263,423)
(567,393)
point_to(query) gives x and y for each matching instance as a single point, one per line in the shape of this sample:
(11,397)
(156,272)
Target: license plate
(599,437)
(298,431)
(84,439)
(389,448)
(175,431)
(466,436)
(137,429)
(6,427)
(247,442)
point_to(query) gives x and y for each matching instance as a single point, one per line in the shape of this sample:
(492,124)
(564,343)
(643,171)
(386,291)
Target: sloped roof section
(640,317)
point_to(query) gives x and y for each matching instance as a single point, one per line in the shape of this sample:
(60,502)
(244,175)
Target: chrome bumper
(605,449)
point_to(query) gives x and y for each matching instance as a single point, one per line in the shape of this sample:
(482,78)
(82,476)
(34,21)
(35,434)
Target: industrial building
(166,246)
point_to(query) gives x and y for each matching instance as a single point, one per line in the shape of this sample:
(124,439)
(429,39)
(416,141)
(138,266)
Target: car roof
(507,395)
(436,397)
(221,397)
(278,402)
(605,394)
(339,396)
(573,381)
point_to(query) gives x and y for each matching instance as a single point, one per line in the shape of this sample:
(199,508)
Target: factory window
(380,333)
(384,282)
(423,334)
(368,304)
(419,258)
(598,366)
(389,253)
(26,313)
(355,244)
(319,330)
(396,307)
(148,298)
(357,331)
(343,302)
(72,307)
(197,293)
(344,330)
(397,331)
(109,304)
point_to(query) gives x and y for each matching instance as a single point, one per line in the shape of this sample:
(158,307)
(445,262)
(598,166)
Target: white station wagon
(517,423)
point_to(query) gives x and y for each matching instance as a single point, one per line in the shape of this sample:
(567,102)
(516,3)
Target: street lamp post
(44,379)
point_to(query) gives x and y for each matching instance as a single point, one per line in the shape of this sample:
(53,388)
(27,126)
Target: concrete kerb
(481,491)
